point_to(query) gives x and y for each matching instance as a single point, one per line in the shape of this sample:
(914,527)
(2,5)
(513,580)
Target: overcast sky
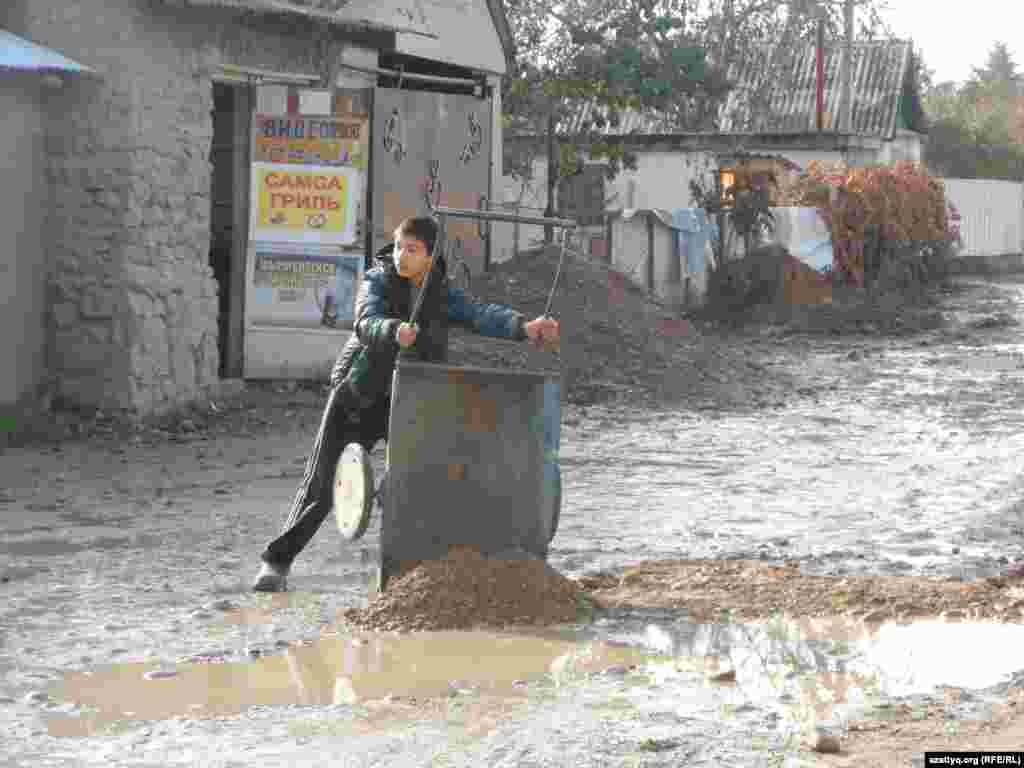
(957,37)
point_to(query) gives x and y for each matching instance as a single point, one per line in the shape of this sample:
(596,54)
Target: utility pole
(847,67)
(819,73)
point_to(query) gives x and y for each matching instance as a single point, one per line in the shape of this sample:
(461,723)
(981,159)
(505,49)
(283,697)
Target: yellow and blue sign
(302,203)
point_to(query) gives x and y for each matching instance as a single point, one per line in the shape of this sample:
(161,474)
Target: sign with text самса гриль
(305,203)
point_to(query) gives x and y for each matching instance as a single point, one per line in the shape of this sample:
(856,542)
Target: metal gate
(413,131)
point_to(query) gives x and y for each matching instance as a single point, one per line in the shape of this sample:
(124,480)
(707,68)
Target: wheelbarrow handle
(415,316)
(558,274)
(538,342)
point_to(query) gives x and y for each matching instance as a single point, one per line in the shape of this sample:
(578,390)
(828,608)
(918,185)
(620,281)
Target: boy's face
(411,258)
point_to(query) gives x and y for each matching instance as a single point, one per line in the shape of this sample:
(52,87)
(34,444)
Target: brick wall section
(133,320)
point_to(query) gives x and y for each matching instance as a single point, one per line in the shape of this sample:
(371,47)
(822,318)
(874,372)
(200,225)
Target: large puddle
(823,664)
(332,670)
(842,661)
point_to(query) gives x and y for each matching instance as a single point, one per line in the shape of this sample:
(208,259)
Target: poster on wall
(306,203)
(330,140)
(302,285)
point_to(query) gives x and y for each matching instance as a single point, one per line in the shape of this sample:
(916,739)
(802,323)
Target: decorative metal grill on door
(415,131)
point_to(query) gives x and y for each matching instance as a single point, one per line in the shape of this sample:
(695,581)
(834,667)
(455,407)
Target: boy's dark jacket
(367,362)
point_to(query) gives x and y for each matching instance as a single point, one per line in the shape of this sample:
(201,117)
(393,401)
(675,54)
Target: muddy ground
(817,496)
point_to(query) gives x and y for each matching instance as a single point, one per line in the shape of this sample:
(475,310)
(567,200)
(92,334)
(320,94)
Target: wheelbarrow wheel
(353,492)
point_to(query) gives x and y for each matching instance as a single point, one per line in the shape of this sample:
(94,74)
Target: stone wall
(133,322)
(22,220)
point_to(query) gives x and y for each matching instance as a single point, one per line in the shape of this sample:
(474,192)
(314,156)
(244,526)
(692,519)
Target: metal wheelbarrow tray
(472,457)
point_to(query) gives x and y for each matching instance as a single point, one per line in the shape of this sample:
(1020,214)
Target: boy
(360,399)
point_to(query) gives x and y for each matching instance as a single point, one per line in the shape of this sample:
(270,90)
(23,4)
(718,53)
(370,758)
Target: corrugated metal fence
(991,216)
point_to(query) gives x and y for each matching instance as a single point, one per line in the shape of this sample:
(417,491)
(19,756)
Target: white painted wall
(631,249)
(630,246)
(661,180)
(466,35)
(992,215)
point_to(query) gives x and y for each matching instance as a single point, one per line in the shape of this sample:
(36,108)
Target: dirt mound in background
(466,590)
(772,287)
(617,343)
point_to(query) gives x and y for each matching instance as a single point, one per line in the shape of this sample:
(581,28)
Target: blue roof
(19,54)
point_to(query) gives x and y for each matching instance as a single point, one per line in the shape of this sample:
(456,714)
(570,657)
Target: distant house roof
(885,95)
(18,54)
(882,85)
(404,16)
(647,123)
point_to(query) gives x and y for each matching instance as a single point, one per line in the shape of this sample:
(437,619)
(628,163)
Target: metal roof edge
(333,18)
(38,58)
(508,44)
(711,136)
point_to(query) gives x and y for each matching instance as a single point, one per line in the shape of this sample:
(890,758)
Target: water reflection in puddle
(838,661)
(332,670)
(820,663)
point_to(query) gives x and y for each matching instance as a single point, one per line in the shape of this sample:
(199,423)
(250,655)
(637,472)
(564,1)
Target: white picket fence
(991,216)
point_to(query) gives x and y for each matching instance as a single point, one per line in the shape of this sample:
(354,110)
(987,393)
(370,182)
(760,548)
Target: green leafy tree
(977,131)
(619,59)
(669,61)
(1000,69)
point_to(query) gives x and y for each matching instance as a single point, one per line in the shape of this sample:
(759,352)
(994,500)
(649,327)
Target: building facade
(148,173)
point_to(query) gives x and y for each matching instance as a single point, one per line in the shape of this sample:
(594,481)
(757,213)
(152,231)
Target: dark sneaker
(271,578)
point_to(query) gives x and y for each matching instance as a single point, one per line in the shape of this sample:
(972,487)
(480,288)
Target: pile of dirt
(772,287)
(751,590)
(466,590)
(617,343)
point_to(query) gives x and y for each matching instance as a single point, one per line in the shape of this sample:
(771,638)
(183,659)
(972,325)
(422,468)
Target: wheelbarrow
(472,456)
(472,460)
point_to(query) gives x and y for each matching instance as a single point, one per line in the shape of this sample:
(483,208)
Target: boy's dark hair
(422,228)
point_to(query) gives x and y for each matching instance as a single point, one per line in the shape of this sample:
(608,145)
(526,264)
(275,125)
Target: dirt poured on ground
(751,590)
(466,590)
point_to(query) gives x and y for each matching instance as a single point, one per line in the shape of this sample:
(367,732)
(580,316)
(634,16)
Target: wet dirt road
(122,573)
(896,453)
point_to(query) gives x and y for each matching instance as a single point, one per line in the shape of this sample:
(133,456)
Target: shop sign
(304,285)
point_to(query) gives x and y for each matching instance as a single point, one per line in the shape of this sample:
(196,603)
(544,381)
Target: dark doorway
(229,157)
